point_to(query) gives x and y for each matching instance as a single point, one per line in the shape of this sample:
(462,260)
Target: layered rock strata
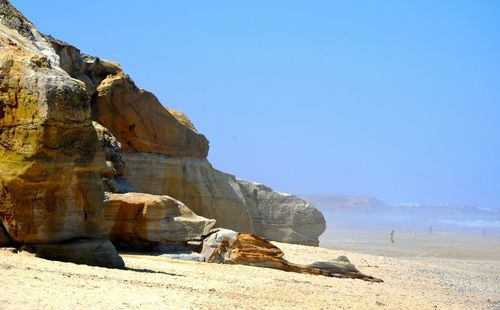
(166,155)
(280,216)
(230,247)
(50,184)
(234,203)
(142,221)
(208,192)
(49,144)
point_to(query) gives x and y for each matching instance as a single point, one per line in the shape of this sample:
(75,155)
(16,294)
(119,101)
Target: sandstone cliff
(234,203)
(165,155)
(51,164)
(50,184)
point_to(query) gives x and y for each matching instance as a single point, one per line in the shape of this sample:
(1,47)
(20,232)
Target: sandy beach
(151,282)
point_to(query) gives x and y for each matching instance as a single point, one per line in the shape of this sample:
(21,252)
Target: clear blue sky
(396,99)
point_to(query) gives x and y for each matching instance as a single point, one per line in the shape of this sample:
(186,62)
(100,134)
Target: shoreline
(445,245)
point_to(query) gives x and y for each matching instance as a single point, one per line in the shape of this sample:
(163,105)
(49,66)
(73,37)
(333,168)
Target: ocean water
(471,223)
(411,222)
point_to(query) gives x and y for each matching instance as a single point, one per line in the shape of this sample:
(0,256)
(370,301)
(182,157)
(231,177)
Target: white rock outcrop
(235,204)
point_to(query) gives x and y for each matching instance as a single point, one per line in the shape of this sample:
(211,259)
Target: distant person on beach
(392,236)
(484,232)
(430,230)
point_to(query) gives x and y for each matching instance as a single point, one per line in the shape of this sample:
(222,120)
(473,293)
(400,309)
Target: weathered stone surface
(234,203)
(208,192)
(182,118)
(142,220)
(280,216)
(133,115)
(113,176)
(50,187)
(88,69)
(94,252)
(340,265)
(141,123)
(230,247)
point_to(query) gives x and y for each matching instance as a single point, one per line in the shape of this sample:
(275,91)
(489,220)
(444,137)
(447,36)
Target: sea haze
(370,213)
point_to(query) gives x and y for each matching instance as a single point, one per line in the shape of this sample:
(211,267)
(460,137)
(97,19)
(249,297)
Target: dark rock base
(93,252)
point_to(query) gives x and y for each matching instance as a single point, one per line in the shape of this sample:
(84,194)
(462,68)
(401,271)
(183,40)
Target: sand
(154,282)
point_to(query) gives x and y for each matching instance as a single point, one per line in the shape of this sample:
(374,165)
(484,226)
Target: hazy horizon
(397,100)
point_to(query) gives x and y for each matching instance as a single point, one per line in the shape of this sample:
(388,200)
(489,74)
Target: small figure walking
(392,236)
(430,229)
(484,232)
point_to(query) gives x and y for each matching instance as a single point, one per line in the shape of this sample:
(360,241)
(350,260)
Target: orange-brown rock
(140,221)
(141,123)
(230,247)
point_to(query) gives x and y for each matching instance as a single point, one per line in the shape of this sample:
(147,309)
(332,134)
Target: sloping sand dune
(154,282)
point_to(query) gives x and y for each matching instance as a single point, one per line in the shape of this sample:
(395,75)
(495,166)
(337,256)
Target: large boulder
(142,221)
(50,169)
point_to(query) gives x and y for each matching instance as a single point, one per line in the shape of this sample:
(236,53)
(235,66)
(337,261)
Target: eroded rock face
(141,221)
(141,123)
(88,69)
(50,169)
(208,192)
(113,176)
(168,156)
(50,188)
(235,204)
(280,216)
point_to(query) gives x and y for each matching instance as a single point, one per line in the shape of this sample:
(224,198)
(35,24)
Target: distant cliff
(369,204)
(347,203)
